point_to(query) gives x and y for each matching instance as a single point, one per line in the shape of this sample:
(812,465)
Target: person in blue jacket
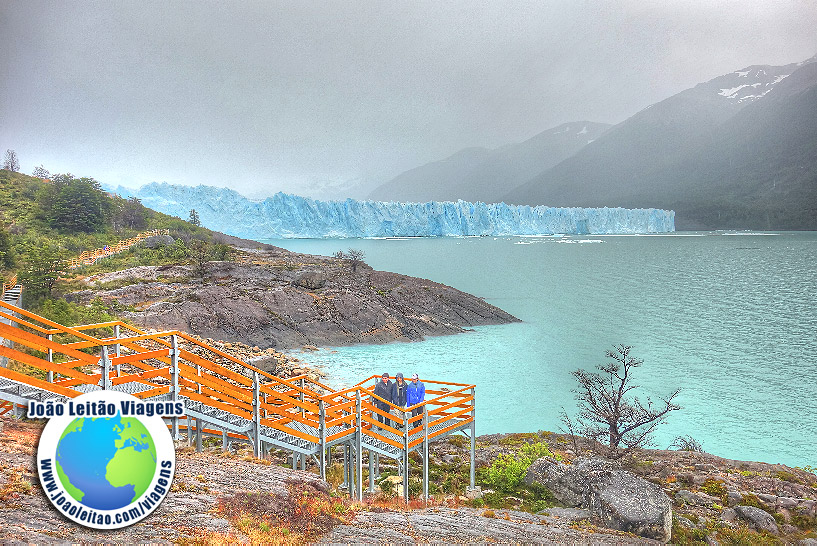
(415,393)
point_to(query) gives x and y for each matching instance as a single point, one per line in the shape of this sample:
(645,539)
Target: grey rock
(259,303)
(157,241)
(787,502)
(684,522)
(472,493)
(733,498)
(629,503)
(771,500)
(698,499)
(568,514)
(621,500)
(311,280)
(570,484)
(729,515)
(808,542)
(759,519)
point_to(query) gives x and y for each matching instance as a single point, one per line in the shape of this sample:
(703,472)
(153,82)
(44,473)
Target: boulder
(685,496)
(619,499)
(759,519)
(733,498)
(156,241)
(311,280)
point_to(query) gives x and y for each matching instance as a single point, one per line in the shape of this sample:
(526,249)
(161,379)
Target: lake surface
(730,318)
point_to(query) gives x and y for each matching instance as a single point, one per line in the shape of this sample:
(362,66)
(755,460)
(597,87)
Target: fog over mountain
(331,100)
(478,174)
(739,151)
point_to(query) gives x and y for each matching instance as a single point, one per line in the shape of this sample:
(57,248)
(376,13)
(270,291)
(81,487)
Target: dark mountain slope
(706,153)
(478,174)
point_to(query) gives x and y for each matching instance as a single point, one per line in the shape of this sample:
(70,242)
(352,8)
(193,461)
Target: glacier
(291,216)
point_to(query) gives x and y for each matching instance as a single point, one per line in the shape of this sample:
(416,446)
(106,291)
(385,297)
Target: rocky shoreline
(689,498)
(284,300)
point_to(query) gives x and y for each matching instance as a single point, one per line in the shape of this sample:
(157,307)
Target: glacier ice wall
(291,216)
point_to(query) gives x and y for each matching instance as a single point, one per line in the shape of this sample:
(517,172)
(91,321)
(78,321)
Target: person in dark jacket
(415,393)
(383,389)
(398,391)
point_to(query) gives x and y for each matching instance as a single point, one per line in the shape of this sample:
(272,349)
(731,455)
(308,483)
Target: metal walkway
(225,397)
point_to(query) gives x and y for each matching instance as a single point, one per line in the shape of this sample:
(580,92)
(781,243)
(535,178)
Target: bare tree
(607,411)
(194,218)
(354,256)
(41,172)
(11,162)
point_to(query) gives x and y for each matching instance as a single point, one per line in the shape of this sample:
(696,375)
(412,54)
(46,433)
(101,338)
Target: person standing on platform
(383,390)
(398,391)
(415,393)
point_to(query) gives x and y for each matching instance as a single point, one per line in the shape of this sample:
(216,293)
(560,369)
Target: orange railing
(91,256)
(176,364)
(12,282)
(148,359)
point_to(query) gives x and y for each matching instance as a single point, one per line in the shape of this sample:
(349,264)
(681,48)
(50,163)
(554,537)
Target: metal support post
(322,432)
(376,464)
(198,419)
(371,471)
(425,454)
(358,448)
(198,434)
(405,458)
(174,377)
(117,348)
(105,362)
(50,359)
(224,442)
(189,423)
(473,435)
(256,415)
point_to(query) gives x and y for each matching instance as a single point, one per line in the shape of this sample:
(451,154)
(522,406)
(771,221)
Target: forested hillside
(45,222)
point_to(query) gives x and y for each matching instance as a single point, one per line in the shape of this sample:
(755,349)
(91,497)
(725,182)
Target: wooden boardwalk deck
(225,397)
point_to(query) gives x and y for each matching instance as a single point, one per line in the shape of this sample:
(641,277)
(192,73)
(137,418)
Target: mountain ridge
(681,154)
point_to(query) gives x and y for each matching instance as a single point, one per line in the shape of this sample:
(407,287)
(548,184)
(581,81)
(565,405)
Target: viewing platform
(227,398)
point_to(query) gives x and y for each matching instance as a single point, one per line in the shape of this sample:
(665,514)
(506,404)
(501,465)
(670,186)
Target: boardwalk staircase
(90,257)
(226,398)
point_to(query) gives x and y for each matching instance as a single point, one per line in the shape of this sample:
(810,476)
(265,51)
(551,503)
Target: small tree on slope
(607,411)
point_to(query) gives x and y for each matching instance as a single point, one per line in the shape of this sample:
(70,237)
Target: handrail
(163,365)
(12,282)
(89,257)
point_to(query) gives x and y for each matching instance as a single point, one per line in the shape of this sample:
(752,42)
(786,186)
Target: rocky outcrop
(619,499)
(285,300)
(759,519)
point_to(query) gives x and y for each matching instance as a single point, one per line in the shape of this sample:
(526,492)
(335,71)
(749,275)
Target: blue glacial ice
(290,216)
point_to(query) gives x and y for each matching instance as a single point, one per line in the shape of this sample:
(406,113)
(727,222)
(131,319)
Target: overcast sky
(290,96)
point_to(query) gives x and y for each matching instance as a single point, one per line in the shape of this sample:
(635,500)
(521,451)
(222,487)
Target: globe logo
(116,472)
(106,459)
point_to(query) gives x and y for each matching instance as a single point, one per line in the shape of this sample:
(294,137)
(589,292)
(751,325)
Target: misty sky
(267,96)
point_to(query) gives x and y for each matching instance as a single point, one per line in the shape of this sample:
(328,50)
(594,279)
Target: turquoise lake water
(730,318)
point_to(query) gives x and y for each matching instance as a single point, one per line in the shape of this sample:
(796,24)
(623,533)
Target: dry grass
(16,486)
(305,513)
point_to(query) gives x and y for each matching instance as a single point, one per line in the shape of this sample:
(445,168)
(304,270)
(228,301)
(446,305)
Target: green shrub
(715,488)
(507,471)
